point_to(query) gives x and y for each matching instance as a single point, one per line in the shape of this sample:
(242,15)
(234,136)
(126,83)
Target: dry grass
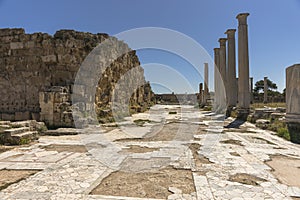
(272,105)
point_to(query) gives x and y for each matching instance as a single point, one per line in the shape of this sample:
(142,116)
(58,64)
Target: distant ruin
(37,73)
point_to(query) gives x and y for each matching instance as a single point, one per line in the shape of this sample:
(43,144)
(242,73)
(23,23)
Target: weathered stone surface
(231,68)
(22,132)
(206,81)
(218,83)
(30,64)
(293,101)
(223,70)
(243,67)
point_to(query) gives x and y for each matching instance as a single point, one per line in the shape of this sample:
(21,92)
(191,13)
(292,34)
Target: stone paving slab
(73,175)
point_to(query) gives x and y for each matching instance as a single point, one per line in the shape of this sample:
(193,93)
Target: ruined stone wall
(190,99)
(33,63)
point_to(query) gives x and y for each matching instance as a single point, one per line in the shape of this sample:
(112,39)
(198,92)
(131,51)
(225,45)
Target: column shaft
(265,89)
(231,69)
(251,89)
(243,66)
(206,91)
(217,78)
(201,93)
(223,69)
(223,59)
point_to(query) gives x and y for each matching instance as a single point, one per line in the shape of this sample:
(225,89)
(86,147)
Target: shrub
(24,141)
(284,133)
(207,108)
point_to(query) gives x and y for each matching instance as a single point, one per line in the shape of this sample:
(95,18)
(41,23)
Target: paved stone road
(73,174)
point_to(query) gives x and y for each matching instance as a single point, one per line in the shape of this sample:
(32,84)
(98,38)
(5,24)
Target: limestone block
(35,116)
(16,45)
(20,116)
(30,44)
(8,116)
(275,116)
(49,59)
(6,39)
(14,31)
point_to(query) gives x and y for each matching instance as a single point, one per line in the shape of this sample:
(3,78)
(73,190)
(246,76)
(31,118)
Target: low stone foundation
(242,114)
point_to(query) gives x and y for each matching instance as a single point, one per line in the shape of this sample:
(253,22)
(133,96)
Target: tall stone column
(223,70)
(222,42)
(231,69)
(251,89)
(206,91)
(243,67)
(265,89)
(293,102)
(217,78)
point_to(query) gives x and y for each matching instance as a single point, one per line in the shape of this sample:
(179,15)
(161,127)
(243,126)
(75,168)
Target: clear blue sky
(274,26)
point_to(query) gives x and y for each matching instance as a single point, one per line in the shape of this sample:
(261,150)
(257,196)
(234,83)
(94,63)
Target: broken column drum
(293,102)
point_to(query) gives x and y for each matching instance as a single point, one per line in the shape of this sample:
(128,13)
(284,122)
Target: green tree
(259,85)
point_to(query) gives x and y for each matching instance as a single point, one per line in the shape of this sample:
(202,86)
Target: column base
(229,110)
(294,131)
(242,113)
(220,110)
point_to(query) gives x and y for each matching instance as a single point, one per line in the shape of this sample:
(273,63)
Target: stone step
(31,134)
(23,138)
(5,122)
(4,126)
(20,134)
(16,130)
(21,124)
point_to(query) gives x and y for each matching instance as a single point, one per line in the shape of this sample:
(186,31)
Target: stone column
(200,93)
(223,93)
(231,69)
(243,67)
(293,102)
(237,91)
(223,70)
(217,78)
(265,89)
(206,91)
(251,89)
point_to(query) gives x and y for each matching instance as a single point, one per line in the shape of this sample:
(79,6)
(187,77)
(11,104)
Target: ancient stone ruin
(293,102)
(225,73)
(37,74)
(204,95)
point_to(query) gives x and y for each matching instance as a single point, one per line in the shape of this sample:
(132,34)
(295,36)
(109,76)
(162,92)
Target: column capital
(242,17)
(222,41)
(230,33)
(216,50)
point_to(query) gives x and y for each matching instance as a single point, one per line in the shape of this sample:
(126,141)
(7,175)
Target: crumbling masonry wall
(34,67)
